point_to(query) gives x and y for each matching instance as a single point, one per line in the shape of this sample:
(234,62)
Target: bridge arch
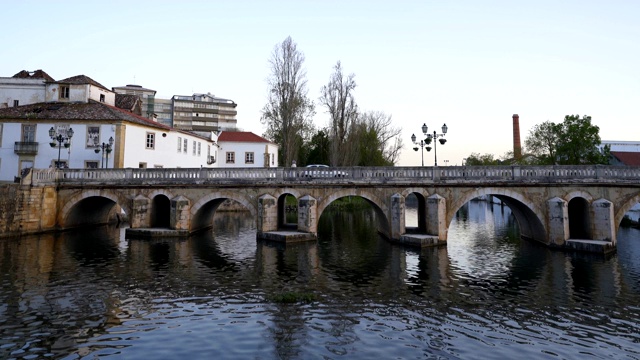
(203,210)
(379,206)
(93,207)
(624,207)
(528,215)
(421,194)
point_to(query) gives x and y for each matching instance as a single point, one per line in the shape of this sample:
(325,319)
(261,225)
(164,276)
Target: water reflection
(93,293)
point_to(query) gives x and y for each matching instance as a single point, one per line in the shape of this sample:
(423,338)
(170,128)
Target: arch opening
(287,212)
(415,213)
(529,223)
(341,206)
(93,210)
(160,212)
(579,222)
(203,219)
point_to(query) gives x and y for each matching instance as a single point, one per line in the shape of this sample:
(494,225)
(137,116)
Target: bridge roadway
(579,207)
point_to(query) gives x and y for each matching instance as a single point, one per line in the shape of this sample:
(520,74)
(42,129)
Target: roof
(38,74)
(81,80)
(88,112)
(241,136)
(91,111)
(132,87)
(627,158)
(126,101)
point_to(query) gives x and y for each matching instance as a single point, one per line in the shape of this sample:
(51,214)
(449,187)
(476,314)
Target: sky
(471,64)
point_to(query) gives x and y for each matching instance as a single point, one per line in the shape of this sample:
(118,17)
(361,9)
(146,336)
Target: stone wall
(27,210)
(9,209)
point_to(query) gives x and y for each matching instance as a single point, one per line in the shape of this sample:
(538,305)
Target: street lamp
(60,140)
(421,144)
(106,150)
(428,139)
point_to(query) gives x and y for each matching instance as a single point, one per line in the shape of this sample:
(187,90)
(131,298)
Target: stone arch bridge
(560,206)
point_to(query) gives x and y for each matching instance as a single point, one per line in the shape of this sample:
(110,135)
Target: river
(222,295)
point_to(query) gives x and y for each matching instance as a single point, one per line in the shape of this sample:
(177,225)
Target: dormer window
(64,91)
(102,98)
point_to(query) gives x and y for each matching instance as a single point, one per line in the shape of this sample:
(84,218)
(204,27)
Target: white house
(23,88)
(74,127)
(240,149)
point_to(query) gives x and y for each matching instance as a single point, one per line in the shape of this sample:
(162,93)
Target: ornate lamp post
(60,140)
(421,145)
(429,138)
(106,150)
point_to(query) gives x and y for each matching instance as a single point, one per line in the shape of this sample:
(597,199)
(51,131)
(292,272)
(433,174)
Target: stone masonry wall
(26,210)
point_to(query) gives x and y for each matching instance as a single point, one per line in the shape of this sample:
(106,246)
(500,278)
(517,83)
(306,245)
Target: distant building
(623,152)
(246,149)
(147,96)
(203,113)
(23,88)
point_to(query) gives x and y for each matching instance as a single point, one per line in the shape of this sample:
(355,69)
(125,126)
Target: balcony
(26,148)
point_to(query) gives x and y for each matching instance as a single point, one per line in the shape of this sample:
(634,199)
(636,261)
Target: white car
(321,171)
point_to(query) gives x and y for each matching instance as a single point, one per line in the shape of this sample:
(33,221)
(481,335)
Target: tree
(475,159)
(337,97)
(378,141)
(579,142)
(575,141)
(318,148)
(288,113)
(542,141)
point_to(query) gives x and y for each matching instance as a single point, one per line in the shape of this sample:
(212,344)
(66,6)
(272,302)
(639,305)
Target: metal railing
(369,175)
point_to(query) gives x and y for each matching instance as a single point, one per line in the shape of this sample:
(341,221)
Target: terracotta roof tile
(38,74)
(241,136)
(627,158)
(82,79)
(126,101)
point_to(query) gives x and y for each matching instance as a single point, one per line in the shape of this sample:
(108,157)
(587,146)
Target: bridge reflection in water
(93,293)
(577,207)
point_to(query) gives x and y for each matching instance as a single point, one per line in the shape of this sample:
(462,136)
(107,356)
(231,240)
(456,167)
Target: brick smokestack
(517,149)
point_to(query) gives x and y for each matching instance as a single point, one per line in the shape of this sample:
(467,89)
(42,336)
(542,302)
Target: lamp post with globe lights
(60,140)
(106,149)
(429,138)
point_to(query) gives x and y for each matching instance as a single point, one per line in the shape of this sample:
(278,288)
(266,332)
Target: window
(199,148)
(179,144)
(64,91)
(151,139)
(90,164)
(142,165)
(16,103)
(102,98)
(248,158)
(273,159)
(28,133)
(231,157)
(185,144)
(194,147)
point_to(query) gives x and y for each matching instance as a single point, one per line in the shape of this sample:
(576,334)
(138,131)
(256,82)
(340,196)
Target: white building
(23,88)
(242,149)
(87,108)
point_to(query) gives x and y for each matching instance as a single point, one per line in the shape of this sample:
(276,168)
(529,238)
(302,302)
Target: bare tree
(337,97)
(289,111)
(388,136)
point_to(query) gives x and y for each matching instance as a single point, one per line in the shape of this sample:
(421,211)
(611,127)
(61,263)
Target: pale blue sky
(470,64)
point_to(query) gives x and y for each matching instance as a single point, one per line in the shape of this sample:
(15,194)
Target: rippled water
(487,295)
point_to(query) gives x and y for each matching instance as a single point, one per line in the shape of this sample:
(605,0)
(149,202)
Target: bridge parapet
(454,174)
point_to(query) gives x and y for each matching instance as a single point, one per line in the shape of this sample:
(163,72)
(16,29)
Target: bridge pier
(603,221)
(308,215)
(267,214)
(436,217)
(140,212)
(179,215)
(436,223)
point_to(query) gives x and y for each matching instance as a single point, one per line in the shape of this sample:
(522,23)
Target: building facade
(240,149)
(203,113)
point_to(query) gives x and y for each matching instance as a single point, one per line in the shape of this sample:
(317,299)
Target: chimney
(517,149)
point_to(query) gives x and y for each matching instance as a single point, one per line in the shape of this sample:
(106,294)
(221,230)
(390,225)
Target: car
(321,170)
